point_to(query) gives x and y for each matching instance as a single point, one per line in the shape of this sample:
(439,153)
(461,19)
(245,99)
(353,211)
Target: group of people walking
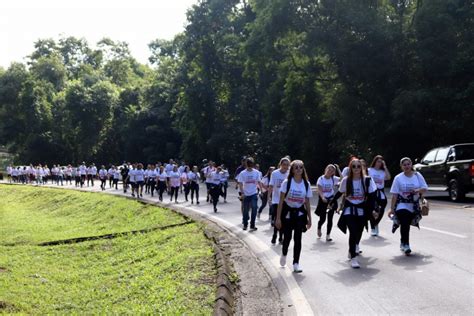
(356,193)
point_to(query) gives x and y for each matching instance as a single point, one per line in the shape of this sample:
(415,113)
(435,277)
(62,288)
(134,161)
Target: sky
(137,22)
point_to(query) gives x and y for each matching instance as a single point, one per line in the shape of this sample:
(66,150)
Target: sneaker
(253,228)
(377,230)
(297,268)
(358,249)
(258,215)
(407,250)
(354,263)
(283,260)
(328,238)
(402,247)
(197,202)
(245,227)
(319,233)
(280,240)
(215,209)
(373,232)
(274,238)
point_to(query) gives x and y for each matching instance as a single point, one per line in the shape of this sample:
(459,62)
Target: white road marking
(440,231)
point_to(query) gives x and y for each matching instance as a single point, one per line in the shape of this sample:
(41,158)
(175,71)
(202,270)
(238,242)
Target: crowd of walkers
(356,193)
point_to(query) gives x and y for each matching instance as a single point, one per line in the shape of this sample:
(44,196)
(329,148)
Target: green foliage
(314,79)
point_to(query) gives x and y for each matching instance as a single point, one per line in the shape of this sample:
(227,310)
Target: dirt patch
(3,270)
(6,307)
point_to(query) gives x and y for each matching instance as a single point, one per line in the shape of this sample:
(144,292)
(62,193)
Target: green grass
(169,271)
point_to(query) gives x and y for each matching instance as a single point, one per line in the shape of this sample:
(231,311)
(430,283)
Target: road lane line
(440,231)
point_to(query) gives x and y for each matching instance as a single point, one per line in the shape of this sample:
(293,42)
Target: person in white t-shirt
(132,179)
(139,179)
(194,178)
(249,183)
(83,173)
(103,177)
(407,188)
(294,211)
(116,176)
(276,179)
(215,186)
(358,191)
(110,175)
(207,171)
(327,185)
(184,174)
(162,182)
(378,171)
(264,192)
(175,183)
(224,181)
(9,173)
(152,173)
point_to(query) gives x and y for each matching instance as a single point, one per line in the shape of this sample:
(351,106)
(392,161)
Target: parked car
(449,168)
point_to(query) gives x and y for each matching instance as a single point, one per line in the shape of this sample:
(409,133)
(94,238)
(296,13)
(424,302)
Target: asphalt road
(438,278)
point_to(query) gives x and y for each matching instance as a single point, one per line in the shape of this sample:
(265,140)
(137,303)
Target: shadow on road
(353,277)
(377,241)
(412,262)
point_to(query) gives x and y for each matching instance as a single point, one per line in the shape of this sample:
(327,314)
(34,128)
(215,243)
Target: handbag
(424,206)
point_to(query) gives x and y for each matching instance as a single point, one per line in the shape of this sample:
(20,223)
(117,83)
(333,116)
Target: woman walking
(378,171)
(185,182)
(103,177)
(194,177)
(162,182)
(264,192)
(327,184)
(293,213)
(175,183)
(358,201)
(276,179)
(407,188)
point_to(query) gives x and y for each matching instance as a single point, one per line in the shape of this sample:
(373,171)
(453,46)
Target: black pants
(102,183)
(293,228)
(225,185)
(273,213)
(405,217)
(355,224)
(174,192)
(187,189)
(264,198)
(215,191)
(115,183)
(152,185)
(111,182)
(161,189)
(381,203)
(90,178)
(194,190)
(321,211)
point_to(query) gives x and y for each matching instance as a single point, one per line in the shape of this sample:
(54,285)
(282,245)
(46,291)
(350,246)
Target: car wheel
(456,194)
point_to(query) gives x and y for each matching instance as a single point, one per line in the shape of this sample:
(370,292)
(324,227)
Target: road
(437,278)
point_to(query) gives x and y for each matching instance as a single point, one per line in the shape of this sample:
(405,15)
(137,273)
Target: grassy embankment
(168,271)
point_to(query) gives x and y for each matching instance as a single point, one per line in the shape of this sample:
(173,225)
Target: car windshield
(430,157)
(442,154)
(465,152)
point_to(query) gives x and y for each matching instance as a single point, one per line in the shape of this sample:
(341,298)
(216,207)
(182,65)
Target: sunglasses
(356,166)
(298,167)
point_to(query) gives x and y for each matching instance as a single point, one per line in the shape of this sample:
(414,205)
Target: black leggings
(151,186)
(381,203)
(405,217)
(273,213)
(187,188)
(323,214)
(293,226)
(264,198)
(174,191)
(356,227)
(194,189)
(215,191)
(161,188)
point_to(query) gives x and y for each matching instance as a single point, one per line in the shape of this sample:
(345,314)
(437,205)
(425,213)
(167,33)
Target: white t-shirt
(162,176)
(379,177)
(152,174)
(224,176)
(276,179)
(169,167)
(404,185)
(249,180)
(102,173)
(174,179)
(297,194)
(327,185)
(358,195)
(131,175)
(139,175)
(265,182)
(207,171)
(345,172)
(116,173)
(184,177)
(82,170)
(110,172)
(215,177)
(193,177)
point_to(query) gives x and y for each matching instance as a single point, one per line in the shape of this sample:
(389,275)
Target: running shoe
(297,268)
(283,260)
(328,238)
(354,263)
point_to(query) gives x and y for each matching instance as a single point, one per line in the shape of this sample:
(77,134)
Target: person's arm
(321,194)
(393,204)
(279,209)
(270,193)
(388,176)
(241,187)
(308,212)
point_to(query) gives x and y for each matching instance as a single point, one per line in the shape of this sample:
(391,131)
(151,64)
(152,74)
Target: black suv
(449,168)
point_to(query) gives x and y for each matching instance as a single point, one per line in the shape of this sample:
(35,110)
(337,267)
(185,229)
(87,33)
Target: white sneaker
(319,233)
(354,263)
(402,247)
(407,249)
(328,238)
(297,268)
(283,260)
(358,249)
(373,232)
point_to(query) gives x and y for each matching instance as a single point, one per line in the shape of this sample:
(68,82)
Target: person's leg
(245,213)
(353,232)
(330,216)
(193,189)
(176,191)
(322,219)
(197,193)
(254,200)
(297,236)
(226,184)
(264,202)
(382,205)
(405,218)
(215,193)
(287,232)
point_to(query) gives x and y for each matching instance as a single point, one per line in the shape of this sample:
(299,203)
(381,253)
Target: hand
(278,223)
(324,200)
(375,214)
(390,213)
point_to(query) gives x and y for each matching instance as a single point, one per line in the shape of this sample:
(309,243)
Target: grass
(169,271)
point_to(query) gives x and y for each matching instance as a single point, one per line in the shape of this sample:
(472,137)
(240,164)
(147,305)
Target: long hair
(374,161)
(269,172)
(291,174)
(350,177)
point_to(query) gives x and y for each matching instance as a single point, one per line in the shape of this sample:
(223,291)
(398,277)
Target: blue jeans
(250,202)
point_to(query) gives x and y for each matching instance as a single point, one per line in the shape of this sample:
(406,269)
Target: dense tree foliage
(314,79)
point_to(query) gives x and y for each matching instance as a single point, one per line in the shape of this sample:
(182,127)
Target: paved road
(437,279)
